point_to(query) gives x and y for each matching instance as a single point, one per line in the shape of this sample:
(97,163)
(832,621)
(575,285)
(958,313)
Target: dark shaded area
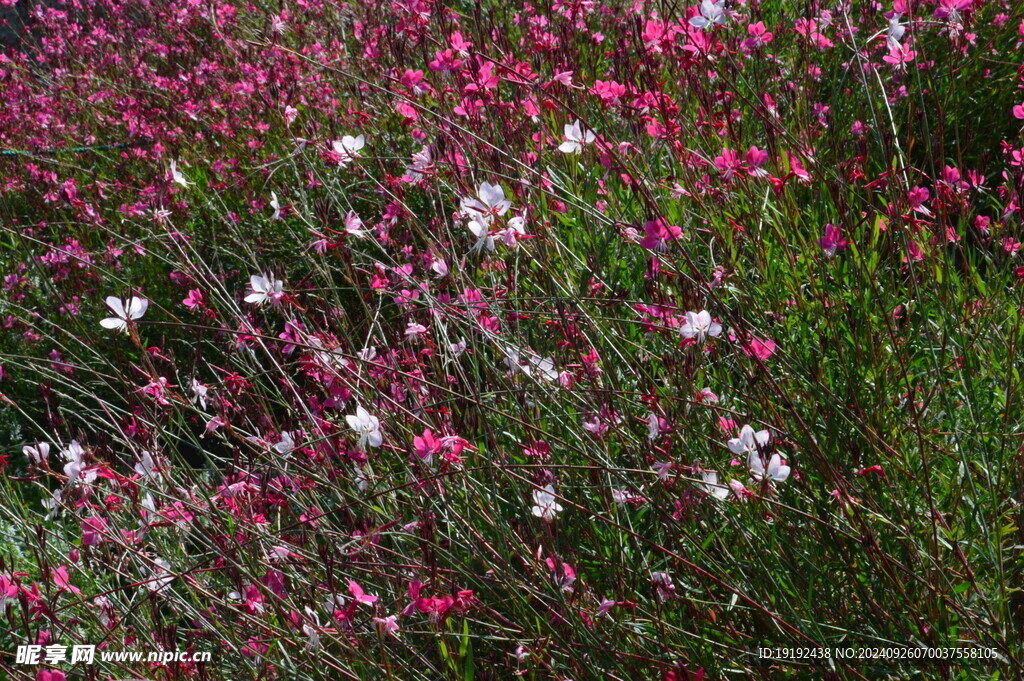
(16,22)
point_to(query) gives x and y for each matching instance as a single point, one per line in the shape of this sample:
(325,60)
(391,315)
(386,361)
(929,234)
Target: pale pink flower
(699,325)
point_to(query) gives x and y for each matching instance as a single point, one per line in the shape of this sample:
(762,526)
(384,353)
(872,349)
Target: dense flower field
(557,340)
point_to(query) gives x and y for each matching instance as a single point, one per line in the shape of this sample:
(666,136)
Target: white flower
(38,453)
(748,442)
(148,505)
(125,312)
(367,354)
(177,176)
(489,201)
(161,576)
(699,325)
(368,427)
(712,487)
(576,138)
(312,638)
(545,505)
(711,13)
(264,288)
(53,503)
(361,478)
(895,31)
(776,471)
(75,457)
(413,331)
(146,467)
(199,393)
(348,148)
(286,444)
(484,240)
(531,364)
(276,205)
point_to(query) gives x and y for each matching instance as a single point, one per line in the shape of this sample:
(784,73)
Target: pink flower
(92,530)
(707,396)
(755,159)
(194,299)
(832,241)
(728,163)
(359,595)
(876,470)
(899,56)
(740,490)
(762,349)
(664,589)
(63,580)
(426,446)
(759,36)
(51,675)
(659,234)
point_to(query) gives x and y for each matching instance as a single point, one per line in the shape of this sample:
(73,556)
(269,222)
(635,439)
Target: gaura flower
(711,485)
(146,467)
(546,507)
(354,225)
(161,576)
(832,241)
(124,311)
(894,33)
(38,453)
(484,240)
(368,427)
(576,138)
(664,589)
(489,202)
(386,626)
(422,164)
(285,444)
(177,175)
(776,470)
(276,205)
(711,14)
(699,325)
(658,235)
(359,595)
(748,442)
(264,287)
(348,148)
(513,232)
